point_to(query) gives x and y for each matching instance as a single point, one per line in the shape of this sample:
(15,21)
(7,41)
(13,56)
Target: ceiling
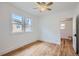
(57,6)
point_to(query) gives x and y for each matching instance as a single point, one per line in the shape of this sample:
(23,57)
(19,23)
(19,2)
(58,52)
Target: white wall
(8,40)
(49,27)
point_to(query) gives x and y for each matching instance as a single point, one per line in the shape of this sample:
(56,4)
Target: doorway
(66,29)
(66,33)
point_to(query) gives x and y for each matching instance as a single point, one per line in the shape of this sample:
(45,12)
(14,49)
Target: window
(17,25)
(28,25)
(20,24)
(62,26)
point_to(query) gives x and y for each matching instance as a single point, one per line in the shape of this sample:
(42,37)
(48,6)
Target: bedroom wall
(49,27)
(8,40)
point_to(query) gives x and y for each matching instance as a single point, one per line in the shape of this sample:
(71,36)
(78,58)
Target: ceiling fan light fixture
(43,6)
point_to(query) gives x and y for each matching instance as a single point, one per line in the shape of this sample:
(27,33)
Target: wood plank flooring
(46,49)
(67,48)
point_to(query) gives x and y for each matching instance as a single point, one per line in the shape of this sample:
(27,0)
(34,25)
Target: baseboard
(48,41)
(21,48)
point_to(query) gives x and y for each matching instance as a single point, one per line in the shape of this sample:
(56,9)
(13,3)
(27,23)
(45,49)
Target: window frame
(23,23)
(12,19)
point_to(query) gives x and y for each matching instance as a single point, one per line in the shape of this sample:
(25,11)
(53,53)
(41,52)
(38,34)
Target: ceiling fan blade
(38,2)
(50,3)
(43,3)
(49,9)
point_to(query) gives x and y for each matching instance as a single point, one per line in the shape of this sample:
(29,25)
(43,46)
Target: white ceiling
(57,6)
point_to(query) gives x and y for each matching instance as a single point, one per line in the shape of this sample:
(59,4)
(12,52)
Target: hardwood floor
(46,49)
(66,48)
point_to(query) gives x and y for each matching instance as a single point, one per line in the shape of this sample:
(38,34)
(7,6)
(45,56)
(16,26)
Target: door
(77,35)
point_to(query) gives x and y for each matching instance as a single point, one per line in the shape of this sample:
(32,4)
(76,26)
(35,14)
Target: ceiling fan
(43,6)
